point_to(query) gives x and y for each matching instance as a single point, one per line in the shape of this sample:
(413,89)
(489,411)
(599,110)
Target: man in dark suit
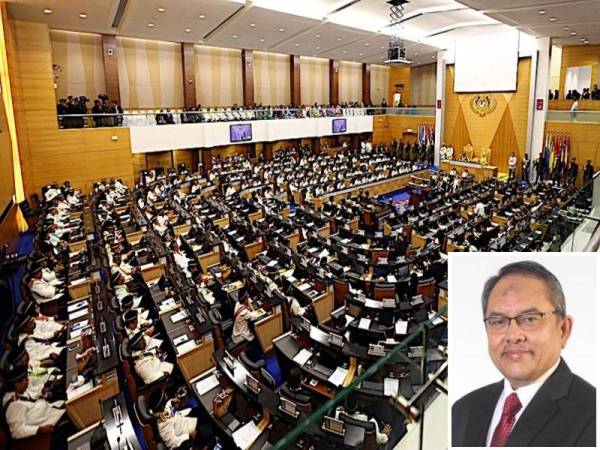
(540,402)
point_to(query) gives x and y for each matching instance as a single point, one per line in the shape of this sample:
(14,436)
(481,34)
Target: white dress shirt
(525,394)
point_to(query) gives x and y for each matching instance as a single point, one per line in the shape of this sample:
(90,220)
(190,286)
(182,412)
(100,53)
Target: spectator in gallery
(525,166)
(540,167)
(556,94)
(512,165)
(572,172)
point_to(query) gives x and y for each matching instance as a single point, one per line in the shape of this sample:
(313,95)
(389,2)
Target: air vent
(119,14)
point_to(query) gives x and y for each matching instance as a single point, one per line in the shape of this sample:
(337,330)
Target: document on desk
(245,436)
(179,316)
(364,323)
(391,386)
(76,306)
(402,327)
(303,356)
(77,314)
(338,377)
(303,287)
(349,319)
(205,385)
(437,320)
(391,279)
(182,348)
(272,263)
(146,266)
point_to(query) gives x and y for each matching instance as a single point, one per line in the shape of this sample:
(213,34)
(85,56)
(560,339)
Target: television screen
(339,125)
(240,133)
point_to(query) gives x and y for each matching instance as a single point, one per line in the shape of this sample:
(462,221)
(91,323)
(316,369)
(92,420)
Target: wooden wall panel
(585,142)
(139,163)
(366,84)
(47,153)
(188,59)
(9,230)
(381,130)
(184,157)
(295,68)
(248,77)
(576,56)
(565,105)
(387,128)
(159,159)
(314,80)
(504,129)
(271,78)
(423,85)
(111,69)
(380,81)
(334,82)
(399,76)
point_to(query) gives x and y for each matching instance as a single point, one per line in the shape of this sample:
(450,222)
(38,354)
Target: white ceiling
(577,16)
(359,31)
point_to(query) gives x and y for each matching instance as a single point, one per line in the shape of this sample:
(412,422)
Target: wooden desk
(267,329)
(478,171)
(253,249)
(209,259)
(182,229)
(84,409)
(323,306)
(152,272)
(196,360)
(417,240)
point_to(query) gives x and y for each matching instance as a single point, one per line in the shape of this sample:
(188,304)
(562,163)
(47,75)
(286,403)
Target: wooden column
(111,72)
(366,83)
(206,156)
(189,75)
(295,80)
(248,77)
(334,69)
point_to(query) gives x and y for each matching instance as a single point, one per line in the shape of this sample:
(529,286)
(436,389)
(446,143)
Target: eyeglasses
(531,321)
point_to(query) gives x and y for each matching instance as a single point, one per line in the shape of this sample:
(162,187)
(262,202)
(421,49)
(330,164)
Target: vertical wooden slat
(189,75)
(366,83)
(111,72)
(334,77)
(248,77)
(295,80)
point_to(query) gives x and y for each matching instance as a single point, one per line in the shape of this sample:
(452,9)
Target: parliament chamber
(243,239)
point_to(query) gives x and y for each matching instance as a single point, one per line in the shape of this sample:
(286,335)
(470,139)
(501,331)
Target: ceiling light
(367,44)
(201,16)
(83,16)
(318,36)
(252,25)
(261,40)
(586,42)
(160,9)
(383,47)
(345,52)
(151,25)
(583,39)
(565,28)
(235,36)
(187,30)
(416,53)
(47,11)
(281,30)
(573,33)
(553,19)
(433,57)
(297,45)
(339,39)
(542,11)
(360,54)
(200,41)
(317,48)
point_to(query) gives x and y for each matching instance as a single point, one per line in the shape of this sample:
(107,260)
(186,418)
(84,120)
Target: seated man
(148,364)
(41,290)
(351,409)
(243,315)
(41,352)
(178,425)
(26,416)
(133,326)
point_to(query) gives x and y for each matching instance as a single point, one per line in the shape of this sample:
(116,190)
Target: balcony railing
(573,116)
(158,117)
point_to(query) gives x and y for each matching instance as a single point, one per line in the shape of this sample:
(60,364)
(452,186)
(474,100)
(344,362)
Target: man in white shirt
(540,402)
(512,165)
(148,364)
(243,315)
(41,290)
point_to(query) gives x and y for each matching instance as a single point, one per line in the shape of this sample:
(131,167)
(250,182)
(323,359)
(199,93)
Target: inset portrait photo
(522,349)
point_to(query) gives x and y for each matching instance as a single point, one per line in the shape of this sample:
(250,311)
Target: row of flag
(556,149)
(426,135)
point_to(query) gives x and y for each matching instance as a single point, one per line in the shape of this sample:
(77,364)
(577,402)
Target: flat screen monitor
(339,125)
(240,132)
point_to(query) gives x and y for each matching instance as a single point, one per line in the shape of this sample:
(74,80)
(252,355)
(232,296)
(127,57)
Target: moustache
(515,349)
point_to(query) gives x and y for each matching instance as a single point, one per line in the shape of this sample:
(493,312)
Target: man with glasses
(540,402)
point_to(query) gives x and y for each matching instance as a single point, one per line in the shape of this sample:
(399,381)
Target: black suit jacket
(561,414)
